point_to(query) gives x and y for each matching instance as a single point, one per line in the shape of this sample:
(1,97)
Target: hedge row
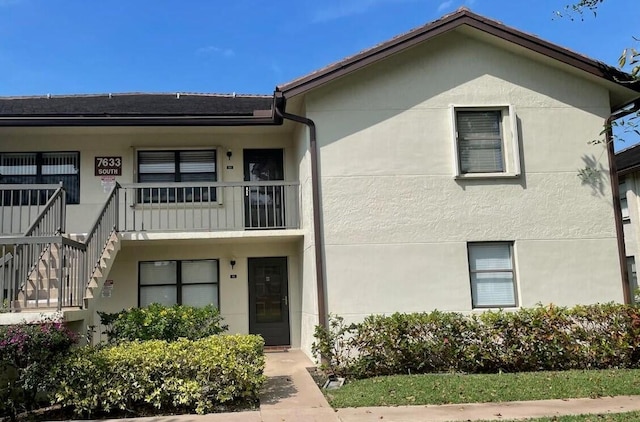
(541,338)
(156,375)
(159,322)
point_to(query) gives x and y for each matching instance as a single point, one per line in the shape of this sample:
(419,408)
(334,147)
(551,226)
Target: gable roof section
(138,109)
(445,24)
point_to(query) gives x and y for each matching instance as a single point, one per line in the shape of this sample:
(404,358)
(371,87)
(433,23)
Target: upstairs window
(480,141)
(183,166)
(485,142)
(624,205)
(42,168)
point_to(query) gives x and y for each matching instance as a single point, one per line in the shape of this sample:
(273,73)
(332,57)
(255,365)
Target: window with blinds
(492,277)
(624,205)
(191,283)
(182,166)
(480,143)
(43,168)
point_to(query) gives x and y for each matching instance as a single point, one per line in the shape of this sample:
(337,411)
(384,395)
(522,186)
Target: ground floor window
(492,276)
(193,283)
(633,278)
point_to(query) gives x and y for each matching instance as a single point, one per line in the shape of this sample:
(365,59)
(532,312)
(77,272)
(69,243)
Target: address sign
(108,166)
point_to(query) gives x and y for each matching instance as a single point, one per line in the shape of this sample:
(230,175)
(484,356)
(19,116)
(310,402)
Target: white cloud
(445,5)
(211,50)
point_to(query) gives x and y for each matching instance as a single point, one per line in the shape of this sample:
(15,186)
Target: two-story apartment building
(437,170)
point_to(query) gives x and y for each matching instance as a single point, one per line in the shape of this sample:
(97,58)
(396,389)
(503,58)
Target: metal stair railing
(30,264)
(105,226)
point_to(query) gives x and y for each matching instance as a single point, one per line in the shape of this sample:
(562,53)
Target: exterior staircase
(44,282)
(45,273)
(42,289)
(99,276)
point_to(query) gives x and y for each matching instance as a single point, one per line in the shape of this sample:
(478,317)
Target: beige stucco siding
(397,221)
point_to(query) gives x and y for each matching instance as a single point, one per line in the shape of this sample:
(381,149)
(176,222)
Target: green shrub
(540,338)
(27,352)
(158,322)
(159,376)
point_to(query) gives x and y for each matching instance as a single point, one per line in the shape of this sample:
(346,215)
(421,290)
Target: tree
(629,61)
(630,58)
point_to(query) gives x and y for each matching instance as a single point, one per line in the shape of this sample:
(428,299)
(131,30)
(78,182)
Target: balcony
(225,206)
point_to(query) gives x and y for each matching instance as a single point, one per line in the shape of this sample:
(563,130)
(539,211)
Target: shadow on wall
(593,174)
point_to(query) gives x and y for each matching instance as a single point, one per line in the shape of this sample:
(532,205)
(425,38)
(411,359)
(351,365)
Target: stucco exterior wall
(397,221)
(233,292)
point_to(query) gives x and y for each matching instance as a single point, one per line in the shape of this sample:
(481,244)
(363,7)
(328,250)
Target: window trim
(39,163)
(511,246)
(510,141)
(178,284)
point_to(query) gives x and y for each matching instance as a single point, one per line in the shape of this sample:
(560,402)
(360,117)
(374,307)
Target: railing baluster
(174,206)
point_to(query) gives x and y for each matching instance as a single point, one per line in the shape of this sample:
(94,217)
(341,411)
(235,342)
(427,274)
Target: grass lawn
(614,417)
(401,390)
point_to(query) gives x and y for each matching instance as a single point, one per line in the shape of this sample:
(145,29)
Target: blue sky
(246,46)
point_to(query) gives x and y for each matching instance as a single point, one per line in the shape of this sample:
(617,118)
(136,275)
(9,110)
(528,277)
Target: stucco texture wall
(397,221)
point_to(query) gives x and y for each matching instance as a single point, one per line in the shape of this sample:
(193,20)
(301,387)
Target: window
(183,166)
(624,206)
(193,283)
(42,168)
(485,140)
(633,278)
(492,277)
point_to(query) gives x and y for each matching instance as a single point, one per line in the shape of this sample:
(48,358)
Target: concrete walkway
(290,394)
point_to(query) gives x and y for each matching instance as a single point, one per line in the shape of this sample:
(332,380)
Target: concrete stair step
(40,294)
(33,304)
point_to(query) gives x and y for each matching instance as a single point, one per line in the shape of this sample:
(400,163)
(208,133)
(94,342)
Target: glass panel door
(268,300)
(264,207)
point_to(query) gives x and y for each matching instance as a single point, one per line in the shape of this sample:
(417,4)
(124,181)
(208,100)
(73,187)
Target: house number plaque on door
(108,166)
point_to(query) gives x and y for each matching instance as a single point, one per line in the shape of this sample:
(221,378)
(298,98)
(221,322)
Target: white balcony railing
(209,206)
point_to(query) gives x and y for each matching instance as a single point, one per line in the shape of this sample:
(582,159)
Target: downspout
(613,176)
(315,200)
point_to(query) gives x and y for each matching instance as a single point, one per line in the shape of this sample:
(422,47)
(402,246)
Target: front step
(31,305)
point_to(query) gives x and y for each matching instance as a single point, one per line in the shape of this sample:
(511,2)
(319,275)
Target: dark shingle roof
(132,105)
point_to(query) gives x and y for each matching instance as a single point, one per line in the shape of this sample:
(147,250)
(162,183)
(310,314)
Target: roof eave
(62,121)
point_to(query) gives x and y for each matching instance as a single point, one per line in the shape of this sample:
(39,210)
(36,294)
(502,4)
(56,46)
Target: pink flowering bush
(27,354)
